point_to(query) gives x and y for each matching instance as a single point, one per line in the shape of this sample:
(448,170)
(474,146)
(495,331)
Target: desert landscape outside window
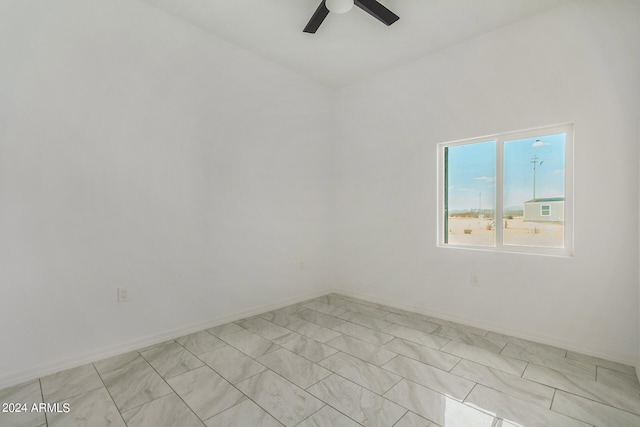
(508,192)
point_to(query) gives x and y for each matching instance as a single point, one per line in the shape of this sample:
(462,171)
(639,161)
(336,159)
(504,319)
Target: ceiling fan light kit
(339,6)
(372,7)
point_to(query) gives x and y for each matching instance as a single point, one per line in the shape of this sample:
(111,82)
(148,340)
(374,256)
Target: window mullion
(499,199)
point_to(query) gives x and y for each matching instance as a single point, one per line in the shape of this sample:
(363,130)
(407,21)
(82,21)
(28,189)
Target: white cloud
(464,189)
(558,172)
(540,143)
(485,178)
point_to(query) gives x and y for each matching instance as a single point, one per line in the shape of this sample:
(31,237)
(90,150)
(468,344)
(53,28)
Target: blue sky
(472,171)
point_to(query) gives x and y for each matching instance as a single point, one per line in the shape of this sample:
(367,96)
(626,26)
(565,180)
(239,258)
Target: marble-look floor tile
(484,357)
(226,329)
(200,342)
(263,327)
(69,383)
(411,419)
(591,412)
(290,310)
(357,307)
(591,390)
(364,334)
(281,318)
(517,411)
(507,383)
(325,308)
(205,392)
(490,344)
(91,409)
(321,319)
(116,362)
(286,402)
(412,322)
(618,379)
(356,402)
(366,321)
(407,313)
(171,360)
(325,299)
(529,346)
(428,376)
(437,407)
(362,350)
(459,326)
(418,337)
(20,419)
(554,362)
(615,366)
(359,301)
(616,397)
(28,394)
(134,384)
(245,413)
(365,374)
(422,353)
(232,364)
(167,411)
(250,344)
(328,417)
(305,347)
(313,331)
(294,368)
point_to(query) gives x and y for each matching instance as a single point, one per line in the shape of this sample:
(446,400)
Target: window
(508,192)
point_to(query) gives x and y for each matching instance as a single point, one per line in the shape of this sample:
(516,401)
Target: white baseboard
(40,371)
(626,359)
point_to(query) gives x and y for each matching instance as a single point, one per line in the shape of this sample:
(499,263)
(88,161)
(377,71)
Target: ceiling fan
(372,7)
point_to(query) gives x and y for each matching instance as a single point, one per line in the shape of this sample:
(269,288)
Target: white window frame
(542,210)
(567,250)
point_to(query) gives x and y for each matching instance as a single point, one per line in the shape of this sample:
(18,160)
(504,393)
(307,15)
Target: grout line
(46,421)
(555,390)
(599,402)
(469,392)
(284,379)
(457,363)
(403,415)
(525,370)
(109,392)
(172,389)
(303,420)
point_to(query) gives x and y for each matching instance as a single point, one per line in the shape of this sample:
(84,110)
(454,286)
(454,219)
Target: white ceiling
(352,46)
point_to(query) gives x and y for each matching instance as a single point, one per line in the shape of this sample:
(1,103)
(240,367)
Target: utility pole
(534,160)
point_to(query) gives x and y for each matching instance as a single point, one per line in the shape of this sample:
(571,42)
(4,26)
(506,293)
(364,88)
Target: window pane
(533,186)
(470,174)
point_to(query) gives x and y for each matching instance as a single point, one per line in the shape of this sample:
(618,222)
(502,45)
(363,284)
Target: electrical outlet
(475,279)
(123,294)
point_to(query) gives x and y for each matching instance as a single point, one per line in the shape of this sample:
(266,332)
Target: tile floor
(338,361)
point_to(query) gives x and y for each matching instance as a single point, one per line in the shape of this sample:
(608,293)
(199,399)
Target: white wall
(139,151)
(579,64)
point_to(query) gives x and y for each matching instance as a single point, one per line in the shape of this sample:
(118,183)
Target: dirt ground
(517,232)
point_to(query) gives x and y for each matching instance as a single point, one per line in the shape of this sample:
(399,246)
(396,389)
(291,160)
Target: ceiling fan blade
(378,11)
(317,18)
